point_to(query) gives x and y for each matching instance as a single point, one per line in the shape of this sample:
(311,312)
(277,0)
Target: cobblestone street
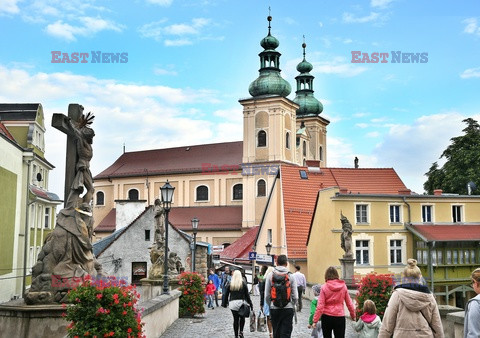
(218,323)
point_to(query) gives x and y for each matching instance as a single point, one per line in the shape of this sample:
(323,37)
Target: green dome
(269,42)
(269,83)
(309,105)
(304,66)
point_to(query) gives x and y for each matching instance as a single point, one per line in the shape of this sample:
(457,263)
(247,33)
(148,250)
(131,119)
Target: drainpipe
(409,211)
(25,245)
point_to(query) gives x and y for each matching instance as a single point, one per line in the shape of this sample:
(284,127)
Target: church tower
(269,128)
(311,135)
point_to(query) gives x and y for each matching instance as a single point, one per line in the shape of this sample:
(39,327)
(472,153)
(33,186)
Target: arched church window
(133,194)
(261,188)
(100,198)
(321,153)
(202,193)
(287,140)
(262,138)
(238,192)
(304,148)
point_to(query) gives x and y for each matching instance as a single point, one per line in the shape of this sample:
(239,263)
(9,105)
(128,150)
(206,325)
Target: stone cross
(60,122)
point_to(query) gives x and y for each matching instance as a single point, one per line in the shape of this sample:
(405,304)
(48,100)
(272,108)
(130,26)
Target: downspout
(25,244)
(409,211)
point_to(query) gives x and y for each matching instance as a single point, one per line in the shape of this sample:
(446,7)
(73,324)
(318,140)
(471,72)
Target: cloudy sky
(188,63)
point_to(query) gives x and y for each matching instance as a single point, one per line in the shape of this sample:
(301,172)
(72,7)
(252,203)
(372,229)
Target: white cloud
(471,26)
(164,3)
(162,71)
(373,134)
(9,6)
(90,26)
(347,41)
(338,67)
(362,125)
(351,18)
(320,24)
(380,3)
(471,72)
(159,31)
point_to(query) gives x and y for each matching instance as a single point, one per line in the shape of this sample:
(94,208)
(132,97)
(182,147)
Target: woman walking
(412,310)
(236,294)
(330,308)
(472,310)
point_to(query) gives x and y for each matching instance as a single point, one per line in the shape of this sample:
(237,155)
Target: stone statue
(67,256)
(174,264)
(159,222)
(347,231)
(83,177)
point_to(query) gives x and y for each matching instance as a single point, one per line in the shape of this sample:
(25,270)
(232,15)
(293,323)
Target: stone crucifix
(79,154)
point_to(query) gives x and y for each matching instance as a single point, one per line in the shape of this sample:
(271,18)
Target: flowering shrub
(192,297)
(377,288)
(103,308)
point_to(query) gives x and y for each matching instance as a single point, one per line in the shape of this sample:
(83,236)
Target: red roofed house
(441,231)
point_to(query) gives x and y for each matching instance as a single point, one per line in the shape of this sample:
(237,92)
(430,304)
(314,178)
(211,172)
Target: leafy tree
(462,163)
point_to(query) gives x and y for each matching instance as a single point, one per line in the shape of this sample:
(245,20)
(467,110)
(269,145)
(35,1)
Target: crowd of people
(412,310)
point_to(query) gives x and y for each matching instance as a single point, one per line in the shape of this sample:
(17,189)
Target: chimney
(313,166)
(127,211)
(355,162)
(343,191)
(438,192)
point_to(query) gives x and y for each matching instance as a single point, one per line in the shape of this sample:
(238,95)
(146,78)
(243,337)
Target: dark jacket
(237,294)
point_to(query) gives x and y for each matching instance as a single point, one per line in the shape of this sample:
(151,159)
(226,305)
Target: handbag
(244,310)
(261,322)
(253,322)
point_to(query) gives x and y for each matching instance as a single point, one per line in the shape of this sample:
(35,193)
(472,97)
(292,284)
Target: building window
(262,138)
(287,140)
(147,235)
(269,236)
(47,218)
(261,188)
(100,198)
(238,192)
(426,213)
(457,213)
(394,214)
(303,175)
(320,153)
(395,251)
(361,212)
(298,142)
(133,194)
(362,252)
(304,148)
(202,193)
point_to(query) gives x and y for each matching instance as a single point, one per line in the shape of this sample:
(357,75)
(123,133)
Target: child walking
(369,323)
(210,290)
(317,330)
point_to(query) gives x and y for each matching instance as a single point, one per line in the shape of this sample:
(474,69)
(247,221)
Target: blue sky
(190,61)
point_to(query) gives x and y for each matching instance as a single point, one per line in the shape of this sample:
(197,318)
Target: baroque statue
(346,238)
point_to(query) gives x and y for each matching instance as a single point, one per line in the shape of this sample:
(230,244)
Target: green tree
(462,163)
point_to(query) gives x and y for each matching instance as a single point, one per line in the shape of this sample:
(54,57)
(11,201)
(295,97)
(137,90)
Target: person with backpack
(330,306)
(281,295)
(236,294)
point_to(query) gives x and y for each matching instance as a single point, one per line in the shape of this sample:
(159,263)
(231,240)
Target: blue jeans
(210,301)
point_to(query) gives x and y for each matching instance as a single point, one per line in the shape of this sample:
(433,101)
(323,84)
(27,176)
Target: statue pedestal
(152,288)
(347,271)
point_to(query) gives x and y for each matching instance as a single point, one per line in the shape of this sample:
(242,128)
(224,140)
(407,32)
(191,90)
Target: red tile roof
(50,196)
(447,232)
(239,249)
(108,223)
(4,131)
(225,156)
(298,215)
(211,218)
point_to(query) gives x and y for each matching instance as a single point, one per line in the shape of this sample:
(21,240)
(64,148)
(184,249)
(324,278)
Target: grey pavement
(218,323)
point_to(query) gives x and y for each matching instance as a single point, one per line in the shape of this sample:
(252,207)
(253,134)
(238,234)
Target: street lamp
(194,227)
(167,196)
(269,248)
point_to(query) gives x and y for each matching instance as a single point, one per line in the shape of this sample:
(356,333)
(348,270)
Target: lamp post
(195,221)
(268,247)
(167,196)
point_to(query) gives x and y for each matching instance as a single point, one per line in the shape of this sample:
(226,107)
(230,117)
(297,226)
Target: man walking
(216,281)
(226,277)
(281,295)
(301,286)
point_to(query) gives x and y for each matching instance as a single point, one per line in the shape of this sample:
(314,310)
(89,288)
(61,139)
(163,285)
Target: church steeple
(309,105)
(269,82)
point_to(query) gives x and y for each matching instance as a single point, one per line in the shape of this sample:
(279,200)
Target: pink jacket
(330,302)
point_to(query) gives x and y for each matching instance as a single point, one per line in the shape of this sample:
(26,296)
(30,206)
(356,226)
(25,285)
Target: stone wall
(160,312)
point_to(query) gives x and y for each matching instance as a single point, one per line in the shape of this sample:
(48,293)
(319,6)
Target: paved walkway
(218,323)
